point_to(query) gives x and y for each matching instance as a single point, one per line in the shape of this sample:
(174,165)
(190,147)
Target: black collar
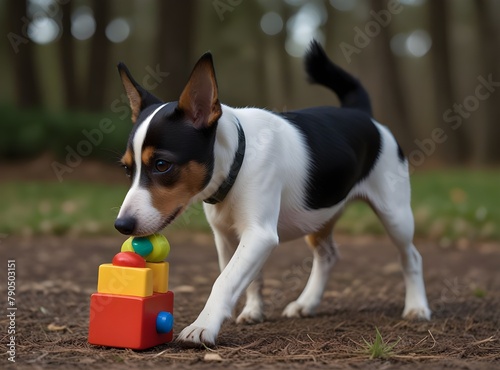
(228,183)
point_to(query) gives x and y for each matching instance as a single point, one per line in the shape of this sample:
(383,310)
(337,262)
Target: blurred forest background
(418,59)
(432,69)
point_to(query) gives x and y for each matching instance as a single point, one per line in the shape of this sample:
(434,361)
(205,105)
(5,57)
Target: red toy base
(127,321)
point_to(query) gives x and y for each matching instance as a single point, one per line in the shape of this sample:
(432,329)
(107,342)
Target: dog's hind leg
(325,255)
(253,312)
(392,205)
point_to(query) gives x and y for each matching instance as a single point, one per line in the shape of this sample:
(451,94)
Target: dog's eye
(162,166)
(128,171)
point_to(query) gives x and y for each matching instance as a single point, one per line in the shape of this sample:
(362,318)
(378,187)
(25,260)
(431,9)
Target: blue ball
(164,322)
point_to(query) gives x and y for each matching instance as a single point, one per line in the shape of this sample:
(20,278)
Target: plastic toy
(133,307)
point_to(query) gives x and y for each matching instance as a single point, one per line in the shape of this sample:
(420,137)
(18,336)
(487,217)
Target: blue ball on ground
(164,322)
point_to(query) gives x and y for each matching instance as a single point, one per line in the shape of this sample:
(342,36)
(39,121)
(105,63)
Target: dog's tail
(322,71)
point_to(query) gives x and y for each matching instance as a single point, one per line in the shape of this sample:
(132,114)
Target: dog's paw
(417,313)
(195,336)
(296,309)
(250,316)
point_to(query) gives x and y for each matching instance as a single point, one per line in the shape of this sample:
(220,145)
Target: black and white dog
(265,178)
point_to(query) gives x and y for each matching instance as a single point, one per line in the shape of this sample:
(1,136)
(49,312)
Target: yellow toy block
(120,280)
(160,276)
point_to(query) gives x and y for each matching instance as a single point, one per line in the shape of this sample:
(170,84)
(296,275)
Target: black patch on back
(401,153)
(344,145)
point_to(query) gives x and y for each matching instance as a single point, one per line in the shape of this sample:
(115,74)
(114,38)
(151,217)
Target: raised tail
(321,70)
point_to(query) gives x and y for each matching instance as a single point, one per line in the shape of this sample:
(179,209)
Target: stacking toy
(133,307)
(154,248)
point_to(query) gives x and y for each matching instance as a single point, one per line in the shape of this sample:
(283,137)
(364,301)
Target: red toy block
(127,321)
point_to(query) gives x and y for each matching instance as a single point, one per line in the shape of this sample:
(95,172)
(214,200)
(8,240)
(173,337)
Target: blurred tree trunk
(457,146)
(99,57)
(396,107)
(285,60)
(331,29)
(262,94)
(23,56)
(67,55)
(174,44)
(489,39)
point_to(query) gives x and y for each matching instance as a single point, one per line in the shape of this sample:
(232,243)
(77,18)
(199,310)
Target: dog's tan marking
(147,155)
(314,239)
(191,182)
(128,158)
(134,97)
(200,98)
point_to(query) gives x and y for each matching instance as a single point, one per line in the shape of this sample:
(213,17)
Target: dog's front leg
(255,247)
(226,242)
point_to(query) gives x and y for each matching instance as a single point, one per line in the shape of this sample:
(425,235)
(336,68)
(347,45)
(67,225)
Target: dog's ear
(200,99)
(138,97)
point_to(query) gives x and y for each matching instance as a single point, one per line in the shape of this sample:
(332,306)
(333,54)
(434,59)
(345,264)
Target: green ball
(161,248)
(127,245)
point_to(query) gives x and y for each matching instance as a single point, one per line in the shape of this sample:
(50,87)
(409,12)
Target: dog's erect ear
(138,97)
(200,98)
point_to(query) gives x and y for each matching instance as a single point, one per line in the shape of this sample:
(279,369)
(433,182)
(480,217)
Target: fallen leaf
(212,357)
(391,268)
(44,310)
(55,327)
(86,361)
(332,294)
(184,289)
(200,279)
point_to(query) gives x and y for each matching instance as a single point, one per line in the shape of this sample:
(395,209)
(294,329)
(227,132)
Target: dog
(265,178)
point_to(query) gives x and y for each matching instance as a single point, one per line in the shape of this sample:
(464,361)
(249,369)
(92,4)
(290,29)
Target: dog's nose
(125,225)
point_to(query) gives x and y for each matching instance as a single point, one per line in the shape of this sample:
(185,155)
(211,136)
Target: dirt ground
(55,277)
